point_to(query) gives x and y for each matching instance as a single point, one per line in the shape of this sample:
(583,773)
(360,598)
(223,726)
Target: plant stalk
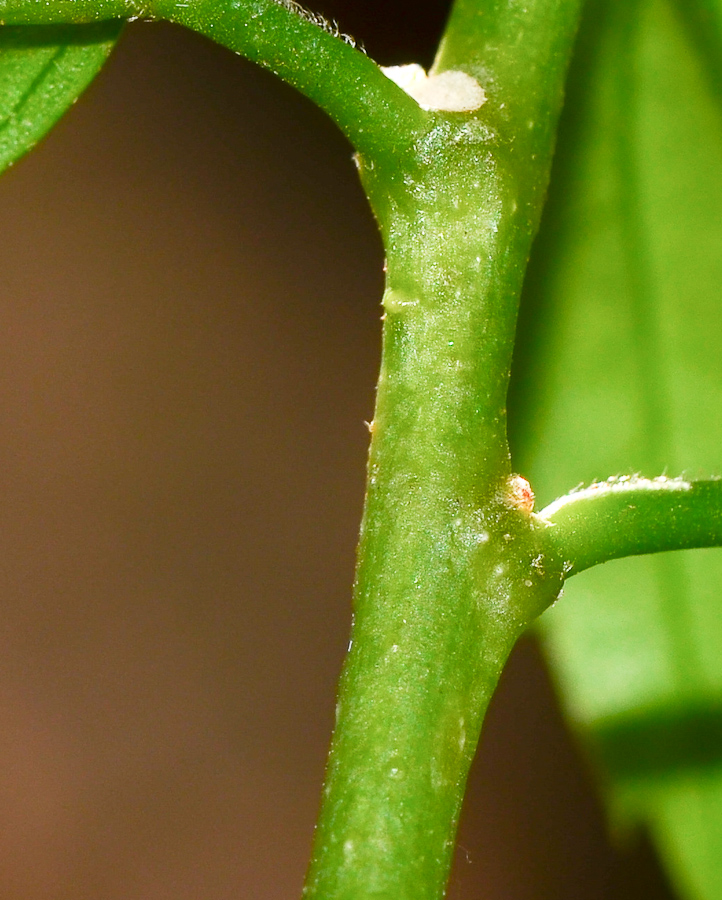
(374,113)
(450,566)
(631,515)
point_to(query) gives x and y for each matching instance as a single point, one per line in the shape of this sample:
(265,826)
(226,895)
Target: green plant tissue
(619,370)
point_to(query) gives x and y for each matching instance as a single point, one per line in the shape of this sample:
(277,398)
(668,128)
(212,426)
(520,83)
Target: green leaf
(618,372)
(43,70)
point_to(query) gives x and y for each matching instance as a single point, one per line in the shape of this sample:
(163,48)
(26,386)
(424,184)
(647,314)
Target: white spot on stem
(451,91)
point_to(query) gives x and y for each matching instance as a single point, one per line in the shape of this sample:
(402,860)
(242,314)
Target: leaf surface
(43,70)
(619,370)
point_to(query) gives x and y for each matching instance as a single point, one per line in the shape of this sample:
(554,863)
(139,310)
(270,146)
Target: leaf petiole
(629,516)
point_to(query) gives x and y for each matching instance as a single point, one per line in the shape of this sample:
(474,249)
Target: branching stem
(379,118)
(630,516)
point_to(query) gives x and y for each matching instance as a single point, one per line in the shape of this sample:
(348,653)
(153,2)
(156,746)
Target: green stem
(380,119)
(452,564)
(451,568)
(520,53)
(630,516)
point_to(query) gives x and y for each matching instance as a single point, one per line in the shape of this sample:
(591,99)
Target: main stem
(450,568)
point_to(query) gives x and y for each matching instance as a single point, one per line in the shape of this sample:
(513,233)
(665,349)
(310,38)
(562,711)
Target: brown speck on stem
(520,493)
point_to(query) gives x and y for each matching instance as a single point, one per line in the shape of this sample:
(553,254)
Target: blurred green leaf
(619,371)
(43,70)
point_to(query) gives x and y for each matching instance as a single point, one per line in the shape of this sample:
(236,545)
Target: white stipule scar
(451,91)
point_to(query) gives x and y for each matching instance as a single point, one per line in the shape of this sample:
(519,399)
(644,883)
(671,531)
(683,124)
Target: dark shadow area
(656,741)
(19,38)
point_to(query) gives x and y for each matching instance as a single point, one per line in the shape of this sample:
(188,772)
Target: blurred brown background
(189,322)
